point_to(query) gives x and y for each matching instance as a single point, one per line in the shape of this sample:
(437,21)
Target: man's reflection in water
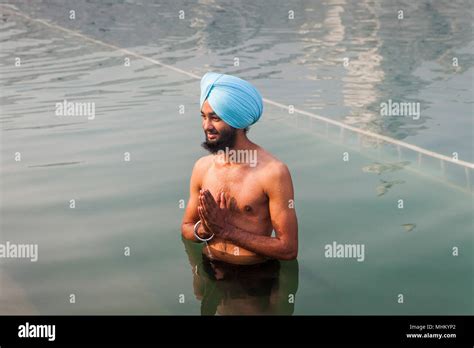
(226,289)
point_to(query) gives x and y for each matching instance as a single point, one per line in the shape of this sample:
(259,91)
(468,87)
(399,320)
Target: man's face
(219,135)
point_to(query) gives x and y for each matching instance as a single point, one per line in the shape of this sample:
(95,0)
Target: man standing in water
(239,193)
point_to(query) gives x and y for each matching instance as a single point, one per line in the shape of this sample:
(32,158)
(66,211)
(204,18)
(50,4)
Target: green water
(136,204)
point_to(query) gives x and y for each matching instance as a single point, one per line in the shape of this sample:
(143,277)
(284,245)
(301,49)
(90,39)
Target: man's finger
(209,198)
(222,202)
(201,216)
(204,202)
(203,219)
(200,199)
(205,211)
(207,205)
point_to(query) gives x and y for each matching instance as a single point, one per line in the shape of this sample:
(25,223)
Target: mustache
(226,139)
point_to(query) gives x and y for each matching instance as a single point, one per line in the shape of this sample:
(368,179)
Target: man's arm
(191,215)
(284,246)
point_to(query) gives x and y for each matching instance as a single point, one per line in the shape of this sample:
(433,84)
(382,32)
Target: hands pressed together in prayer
(213,214)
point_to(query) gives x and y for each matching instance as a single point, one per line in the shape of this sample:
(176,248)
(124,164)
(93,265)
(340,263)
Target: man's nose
(207,125)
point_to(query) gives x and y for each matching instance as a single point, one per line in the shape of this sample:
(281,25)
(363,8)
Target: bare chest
(242,185)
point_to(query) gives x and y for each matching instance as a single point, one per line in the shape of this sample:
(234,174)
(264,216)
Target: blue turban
(234,100)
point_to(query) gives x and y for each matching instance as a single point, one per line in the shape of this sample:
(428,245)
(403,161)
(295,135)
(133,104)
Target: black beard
(227,140)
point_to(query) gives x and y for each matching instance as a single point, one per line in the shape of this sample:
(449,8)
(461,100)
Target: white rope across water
(342,125)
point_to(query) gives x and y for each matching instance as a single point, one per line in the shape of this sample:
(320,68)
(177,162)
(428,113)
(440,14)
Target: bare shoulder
(275,178)
(203,163)
(200,168)
(272,168)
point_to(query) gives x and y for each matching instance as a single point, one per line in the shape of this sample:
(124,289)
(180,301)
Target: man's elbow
(289,254)
(186,233)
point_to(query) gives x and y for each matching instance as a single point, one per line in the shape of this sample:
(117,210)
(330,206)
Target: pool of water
(135,205)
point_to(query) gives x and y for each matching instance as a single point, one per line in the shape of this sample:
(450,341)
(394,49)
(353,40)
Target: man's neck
(242,143)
